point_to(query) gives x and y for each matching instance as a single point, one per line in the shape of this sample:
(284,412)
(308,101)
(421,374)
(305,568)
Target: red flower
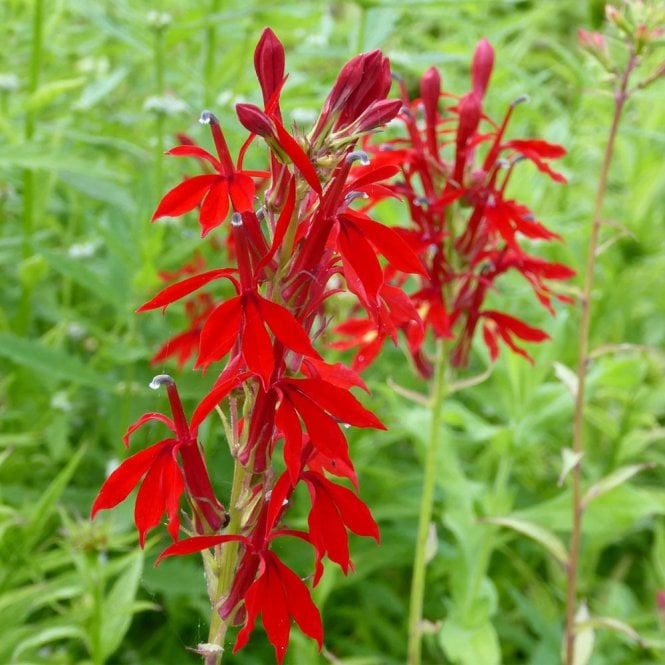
(160,491)
(321,406)
(278,594)
(242,320)
(334,510)
(164,479)
(211,191)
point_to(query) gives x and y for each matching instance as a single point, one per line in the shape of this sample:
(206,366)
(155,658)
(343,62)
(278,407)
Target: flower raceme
(455,166)
(294,241)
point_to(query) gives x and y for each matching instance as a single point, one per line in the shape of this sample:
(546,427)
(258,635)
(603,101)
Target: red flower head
(212,192)
(164,478)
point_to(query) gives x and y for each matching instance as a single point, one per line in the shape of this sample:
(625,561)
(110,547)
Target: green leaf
(470,645)
(42,510)
(617,626)
(46,93)
(538,533)
(97,90)
(51,363)
(567,377)
(570,461)
(615,479)
(100,189)
(119,606)
(585,637)
(47,635)
(75,269)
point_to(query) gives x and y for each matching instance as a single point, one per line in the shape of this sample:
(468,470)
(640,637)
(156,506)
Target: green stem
(24,308)
(210,50)
(227,555)
(583,362)
(426,508)
(362,24)
(159,122)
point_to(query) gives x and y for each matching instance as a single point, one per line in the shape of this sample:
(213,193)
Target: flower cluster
(295,241)
(455,167)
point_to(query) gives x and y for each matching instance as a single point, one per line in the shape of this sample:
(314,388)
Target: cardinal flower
(164,477)
(213,192)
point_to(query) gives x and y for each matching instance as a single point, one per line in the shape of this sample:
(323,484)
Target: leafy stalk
(620,97)
(227,555)
(426,508)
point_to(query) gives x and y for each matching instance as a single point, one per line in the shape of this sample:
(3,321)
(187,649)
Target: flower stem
(426,507)
(620,97)
(227,556)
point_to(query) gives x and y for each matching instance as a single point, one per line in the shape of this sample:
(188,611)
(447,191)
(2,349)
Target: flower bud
(481,69)
(614,16)
(269,63)
(376,115)
(430,90)
(255,120)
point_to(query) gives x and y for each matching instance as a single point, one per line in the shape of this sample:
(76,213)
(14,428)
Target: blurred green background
(91,94)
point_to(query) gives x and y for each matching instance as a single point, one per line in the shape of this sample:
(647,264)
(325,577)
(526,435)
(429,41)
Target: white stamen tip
(161,380)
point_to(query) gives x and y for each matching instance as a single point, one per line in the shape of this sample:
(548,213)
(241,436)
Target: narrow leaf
(545,537)
(615,479)
(570,461)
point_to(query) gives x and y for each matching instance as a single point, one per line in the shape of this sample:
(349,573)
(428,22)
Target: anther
(208,118)
(520,99)
(352,196)
(358,156)
(236,219)
(161,380)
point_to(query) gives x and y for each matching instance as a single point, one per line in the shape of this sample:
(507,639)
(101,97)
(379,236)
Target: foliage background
(81,170)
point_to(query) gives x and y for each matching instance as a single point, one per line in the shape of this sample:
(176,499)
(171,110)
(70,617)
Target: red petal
(286,327)
(124,479)
(539,147)
(215,207)
(517,327)
(359,254)
(323,431)
(371,174)
(355,513)
(288,422)
(179,290)
(337,374)
(274,607)
(242,190)
(257,349)
(146,417)
(390,244)
(281,490)
(219,391)
(195,151)
(185,196)
(326,526)
(337,401)
(298,157)
(282,224)
(253,599)
(220,331)
(159,493)
(197,544)
(300,604)
(489,337)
